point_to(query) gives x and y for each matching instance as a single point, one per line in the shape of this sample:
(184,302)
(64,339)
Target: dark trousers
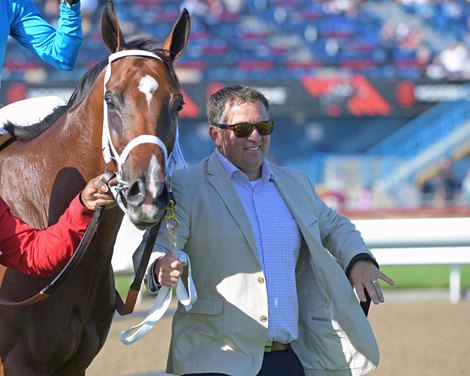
(278,363)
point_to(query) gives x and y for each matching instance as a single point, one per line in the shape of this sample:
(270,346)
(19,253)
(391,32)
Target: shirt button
(263,318)
(260,280)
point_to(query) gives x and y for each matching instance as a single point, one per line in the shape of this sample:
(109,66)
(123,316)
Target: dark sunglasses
(241,130)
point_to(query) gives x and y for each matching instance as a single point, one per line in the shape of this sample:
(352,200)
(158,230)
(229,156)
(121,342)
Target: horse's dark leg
(90,344)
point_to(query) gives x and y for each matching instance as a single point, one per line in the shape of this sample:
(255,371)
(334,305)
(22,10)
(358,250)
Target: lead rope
(164,295)
(73,261)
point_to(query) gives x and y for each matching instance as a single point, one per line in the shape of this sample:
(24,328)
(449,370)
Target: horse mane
(26,133)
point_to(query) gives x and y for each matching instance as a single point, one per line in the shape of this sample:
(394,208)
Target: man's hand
(168,270)
(364,274)
(96,193)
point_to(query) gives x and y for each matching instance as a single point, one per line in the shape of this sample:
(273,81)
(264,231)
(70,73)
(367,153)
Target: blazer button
(260,280)
(263,318)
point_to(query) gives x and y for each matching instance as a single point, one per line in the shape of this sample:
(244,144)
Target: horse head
(141,116)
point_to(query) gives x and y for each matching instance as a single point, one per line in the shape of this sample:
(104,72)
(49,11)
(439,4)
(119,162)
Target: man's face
(249,152)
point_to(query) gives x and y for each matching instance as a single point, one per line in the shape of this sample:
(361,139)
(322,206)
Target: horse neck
(57,164)
(85,121)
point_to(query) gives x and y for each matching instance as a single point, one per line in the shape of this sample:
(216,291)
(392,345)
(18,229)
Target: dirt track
(417,338)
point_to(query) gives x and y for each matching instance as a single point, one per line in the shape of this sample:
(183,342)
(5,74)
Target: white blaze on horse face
(154,188)
(148,85)
(154,170)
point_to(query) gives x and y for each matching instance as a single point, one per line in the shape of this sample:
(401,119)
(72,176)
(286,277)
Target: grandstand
(288,39)
(363,93)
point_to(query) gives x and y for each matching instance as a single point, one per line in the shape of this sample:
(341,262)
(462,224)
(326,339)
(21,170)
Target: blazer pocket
(314,223)
(205,307)
(314,229)
(326,341)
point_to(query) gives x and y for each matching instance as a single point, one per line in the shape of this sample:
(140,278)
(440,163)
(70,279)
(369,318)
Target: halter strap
(142,139)
(109,151)
(119,54)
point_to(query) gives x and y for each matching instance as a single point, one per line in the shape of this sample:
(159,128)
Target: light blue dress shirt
(278,240)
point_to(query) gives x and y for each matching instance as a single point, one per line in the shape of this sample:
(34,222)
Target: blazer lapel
(218,178)
(293,198)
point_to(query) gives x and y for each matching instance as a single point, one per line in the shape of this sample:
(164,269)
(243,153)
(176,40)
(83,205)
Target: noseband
(109,151)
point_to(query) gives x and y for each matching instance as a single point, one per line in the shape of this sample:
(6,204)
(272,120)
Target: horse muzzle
(144,210)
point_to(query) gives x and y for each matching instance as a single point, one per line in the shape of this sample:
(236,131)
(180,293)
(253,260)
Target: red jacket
(41,252)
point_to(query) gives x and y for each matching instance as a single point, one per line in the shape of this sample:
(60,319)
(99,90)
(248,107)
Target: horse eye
(108,98)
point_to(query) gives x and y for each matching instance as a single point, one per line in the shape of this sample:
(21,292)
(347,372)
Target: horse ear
(110,29)
(178,38)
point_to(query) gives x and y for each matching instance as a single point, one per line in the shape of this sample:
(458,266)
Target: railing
(423,131)
(398,159)
(420,241)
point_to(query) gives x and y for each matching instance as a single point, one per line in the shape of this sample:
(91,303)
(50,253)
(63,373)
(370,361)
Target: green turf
(435,276)
(122,284)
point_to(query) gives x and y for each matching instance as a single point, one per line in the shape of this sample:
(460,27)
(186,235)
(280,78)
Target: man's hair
(232,95)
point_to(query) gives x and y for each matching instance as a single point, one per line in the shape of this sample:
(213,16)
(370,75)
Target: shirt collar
(232,170)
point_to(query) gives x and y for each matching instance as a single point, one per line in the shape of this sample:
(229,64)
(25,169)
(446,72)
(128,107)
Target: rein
(164,296)
(122,308)
(72,263)
(148,241)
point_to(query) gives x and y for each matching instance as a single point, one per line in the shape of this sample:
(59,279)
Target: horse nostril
(136,193)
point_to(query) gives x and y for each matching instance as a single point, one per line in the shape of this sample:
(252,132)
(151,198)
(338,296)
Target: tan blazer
(226,330)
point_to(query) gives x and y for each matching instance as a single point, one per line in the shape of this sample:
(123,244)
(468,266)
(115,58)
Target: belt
(273,346)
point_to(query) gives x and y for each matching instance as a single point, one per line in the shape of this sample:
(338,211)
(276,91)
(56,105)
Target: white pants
(28,111)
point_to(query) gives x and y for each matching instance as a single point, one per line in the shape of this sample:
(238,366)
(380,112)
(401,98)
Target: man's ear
(213,132)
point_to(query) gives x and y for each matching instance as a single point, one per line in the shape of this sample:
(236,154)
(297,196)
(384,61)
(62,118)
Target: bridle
(110,154)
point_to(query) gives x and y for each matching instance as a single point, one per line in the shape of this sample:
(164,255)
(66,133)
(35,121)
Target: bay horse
(127,106)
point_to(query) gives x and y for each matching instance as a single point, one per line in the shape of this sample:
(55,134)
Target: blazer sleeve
(41,252)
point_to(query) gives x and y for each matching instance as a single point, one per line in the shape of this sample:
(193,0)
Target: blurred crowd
(444,187)
(287,39)
(273,40)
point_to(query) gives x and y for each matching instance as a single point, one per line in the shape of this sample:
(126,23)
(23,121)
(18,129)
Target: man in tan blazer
(269,260)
